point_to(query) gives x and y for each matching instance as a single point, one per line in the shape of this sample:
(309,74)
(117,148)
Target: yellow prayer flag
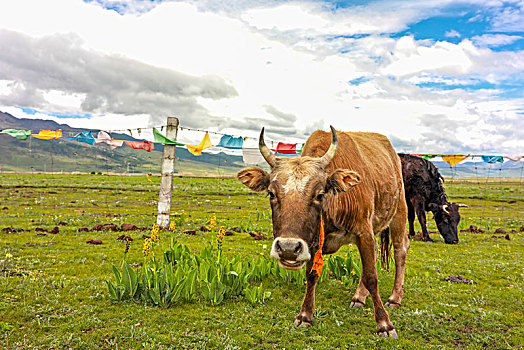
(453,159)
(197,149)
(48,134)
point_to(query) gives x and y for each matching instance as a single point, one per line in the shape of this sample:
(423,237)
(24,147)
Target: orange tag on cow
(318,260)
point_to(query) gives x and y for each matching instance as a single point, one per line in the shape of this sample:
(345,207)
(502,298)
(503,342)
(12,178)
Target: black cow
(424,192)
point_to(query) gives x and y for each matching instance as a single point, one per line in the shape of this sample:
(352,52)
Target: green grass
(56,296)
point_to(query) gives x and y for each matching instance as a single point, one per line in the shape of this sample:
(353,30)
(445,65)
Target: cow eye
(271,195)
(320,197)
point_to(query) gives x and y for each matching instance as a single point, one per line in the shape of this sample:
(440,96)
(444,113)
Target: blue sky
(434,76)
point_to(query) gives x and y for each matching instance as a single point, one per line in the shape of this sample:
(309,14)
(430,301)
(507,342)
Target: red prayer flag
(145,145)
(286,148)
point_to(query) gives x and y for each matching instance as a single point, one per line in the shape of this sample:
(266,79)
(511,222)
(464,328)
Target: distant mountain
(481,169)
(64,155)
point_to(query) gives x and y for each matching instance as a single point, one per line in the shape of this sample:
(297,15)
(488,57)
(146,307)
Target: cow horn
(445,208)
(266,153)
(463,206)
(330,154)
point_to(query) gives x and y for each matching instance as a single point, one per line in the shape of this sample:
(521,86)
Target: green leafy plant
(256,294)
(344,269)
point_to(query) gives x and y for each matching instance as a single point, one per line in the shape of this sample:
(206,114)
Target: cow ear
(255,179)
(342,180)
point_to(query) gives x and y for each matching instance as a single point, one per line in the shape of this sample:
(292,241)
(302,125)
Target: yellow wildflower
(172,226)
(220,237)
(155,233)
(146,249)
(213,223)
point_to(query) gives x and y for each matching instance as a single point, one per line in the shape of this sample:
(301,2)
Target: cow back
(422,178)
(374,158)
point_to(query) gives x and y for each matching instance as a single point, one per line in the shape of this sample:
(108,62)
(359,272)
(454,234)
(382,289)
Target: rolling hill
(70,156)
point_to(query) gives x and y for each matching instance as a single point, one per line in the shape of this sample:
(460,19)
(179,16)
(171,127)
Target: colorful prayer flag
(286,148)
(453,159)
(428,156)
(251,153)
(159,138)
(228,141)
(492,159)
(513,157)
(83,137)
(106,138)
(17,134)
(197,149)
(145,145)
(48,134)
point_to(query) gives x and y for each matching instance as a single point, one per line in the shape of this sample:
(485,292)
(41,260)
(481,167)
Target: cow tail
(385,249)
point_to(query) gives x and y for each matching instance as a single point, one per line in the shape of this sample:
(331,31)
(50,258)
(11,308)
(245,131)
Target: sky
(434,76)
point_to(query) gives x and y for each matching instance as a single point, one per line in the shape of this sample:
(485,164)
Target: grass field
(53,293)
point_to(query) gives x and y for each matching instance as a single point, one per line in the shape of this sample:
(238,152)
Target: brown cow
(359,193)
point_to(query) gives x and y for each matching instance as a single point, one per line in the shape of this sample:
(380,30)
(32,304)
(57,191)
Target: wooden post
(168,168)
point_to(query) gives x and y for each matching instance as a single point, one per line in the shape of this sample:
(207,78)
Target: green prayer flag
(428,156)
(17,134)
(159,138)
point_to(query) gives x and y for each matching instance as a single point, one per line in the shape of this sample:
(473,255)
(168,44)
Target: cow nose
(290,249)
(287,249)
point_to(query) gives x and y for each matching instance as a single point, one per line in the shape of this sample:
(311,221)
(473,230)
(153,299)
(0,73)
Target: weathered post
(168,168)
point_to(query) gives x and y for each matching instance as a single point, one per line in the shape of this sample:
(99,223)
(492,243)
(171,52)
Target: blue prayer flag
(231,142)
(492,159)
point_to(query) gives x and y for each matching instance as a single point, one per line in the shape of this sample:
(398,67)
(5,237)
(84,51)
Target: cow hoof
(392,334)
(302,322)
(357,304)
(393,304)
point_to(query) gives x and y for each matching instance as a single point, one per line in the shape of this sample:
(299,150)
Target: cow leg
(401,243)
(366,245)
(421,215)
(305,317)
(411,219)
(359,298)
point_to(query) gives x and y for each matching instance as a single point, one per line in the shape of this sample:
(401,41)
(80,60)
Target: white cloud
(452,34)
(285,66)
(409,58)
(494,40)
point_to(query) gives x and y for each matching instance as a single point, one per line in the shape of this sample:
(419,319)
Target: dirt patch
(16,272)
(36,244)
(55,230)
(11,229)
(94,241)
(458,279)
(106,215)
(473,229)
(507,237)
(257,236)
(128,227)
(124,238)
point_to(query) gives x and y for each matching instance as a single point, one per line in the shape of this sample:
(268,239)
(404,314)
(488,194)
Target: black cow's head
(447,218)
(297,188)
